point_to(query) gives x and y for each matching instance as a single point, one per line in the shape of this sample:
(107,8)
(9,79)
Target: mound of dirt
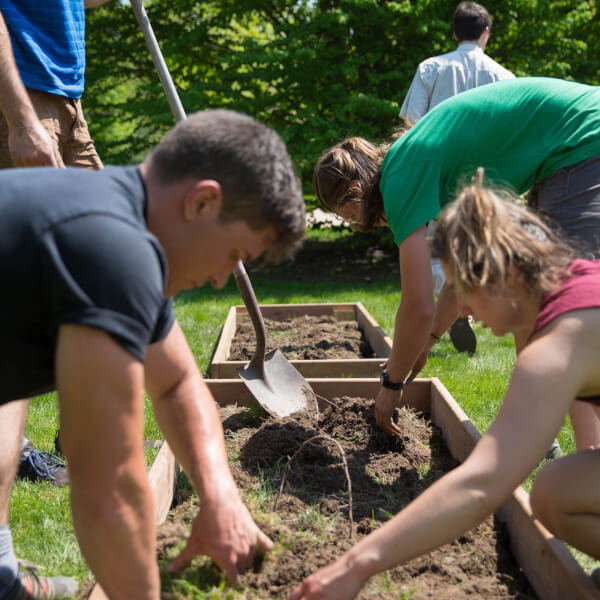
(385,474)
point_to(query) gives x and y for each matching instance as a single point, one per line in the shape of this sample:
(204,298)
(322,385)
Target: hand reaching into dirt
(385,404)
(334,582)
(226,532)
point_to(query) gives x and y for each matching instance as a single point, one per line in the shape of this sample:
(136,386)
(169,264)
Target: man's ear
(483,38)
(202,198)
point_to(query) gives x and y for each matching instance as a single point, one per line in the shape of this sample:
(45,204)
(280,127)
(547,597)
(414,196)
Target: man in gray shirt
(441,77)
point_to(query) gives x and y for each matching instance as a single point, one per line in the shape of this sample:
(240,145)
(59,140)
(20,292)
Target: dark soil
(360,257)
(386,474)
(303,337)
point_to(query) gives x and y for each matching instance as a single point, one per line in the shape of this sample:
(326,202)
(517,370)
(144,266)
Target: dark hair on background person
(485,235)
(251,163)
(470,21)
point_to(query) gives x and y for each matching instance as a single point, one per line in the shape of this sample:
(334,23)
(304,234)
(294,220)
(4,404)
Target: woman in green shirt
(527,132)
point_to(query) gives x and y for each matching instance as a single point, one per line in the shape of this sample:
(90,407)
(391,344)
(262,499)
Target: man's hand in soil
(386,402)
(337,581)
(187,414)
(225,531)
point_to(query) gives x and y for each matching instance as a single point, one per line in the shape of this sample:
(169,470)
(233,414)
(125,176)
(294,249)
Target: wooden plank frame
(161,475)
(550,567)
(223,368)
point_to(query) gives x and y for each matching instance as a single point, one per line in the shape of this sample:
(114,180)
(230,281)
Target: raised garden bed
(339,340)
(549,566)
(385,475)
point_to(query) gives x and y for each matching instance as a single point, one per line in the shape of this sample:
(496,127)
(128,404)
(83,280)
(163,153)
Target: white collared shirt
(440,77)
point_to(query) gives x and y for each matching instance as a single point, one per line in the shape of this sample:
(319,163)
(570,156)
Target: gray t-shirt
(74,248)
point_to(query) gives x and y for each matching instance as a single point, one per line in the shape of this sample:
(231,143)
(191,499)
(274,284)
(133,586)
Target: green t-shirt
(520,130)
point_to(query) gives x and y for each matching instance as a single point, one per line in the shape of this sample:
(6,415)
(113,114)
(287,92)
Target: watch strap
(386,383)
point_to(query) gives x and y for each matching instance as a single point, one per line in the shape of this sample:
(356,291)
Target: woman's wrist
(362,564)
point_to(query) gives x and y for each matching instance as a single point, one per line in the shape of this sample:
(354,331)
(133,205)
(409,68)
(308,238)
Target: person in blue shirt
(53,77)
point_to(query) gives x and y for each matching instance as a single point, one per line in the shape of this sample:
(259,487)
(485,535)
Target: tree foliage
(315,70)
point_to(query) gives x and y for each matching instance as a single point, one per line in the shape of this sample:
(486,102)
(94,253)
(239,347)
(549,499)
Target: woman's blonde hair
(484,235)
(348,172)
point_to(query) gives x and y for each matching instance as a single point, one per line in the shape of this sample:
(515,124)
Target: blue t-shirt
(48,40)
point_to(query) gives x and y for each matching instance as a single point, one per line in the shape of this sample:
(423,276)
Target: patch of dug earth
(304,337)
(312,518)
(364,257)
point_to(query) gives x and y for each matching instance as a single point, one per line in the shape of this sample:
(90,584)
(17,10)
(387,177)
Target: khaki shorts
(570,198)
(63,119)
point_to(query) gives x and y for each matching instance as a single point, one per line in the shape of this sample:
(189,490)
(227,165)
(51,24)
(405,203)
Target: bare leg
(585,419)
(12,420)
(12,423)
(566,498)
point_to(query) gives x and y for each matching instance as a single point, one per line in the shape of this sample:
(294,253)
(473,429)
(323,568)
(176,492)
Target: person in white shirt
(441,77)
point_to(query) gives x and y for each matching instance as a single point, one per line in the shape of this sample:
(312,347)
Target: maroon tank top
(581,290)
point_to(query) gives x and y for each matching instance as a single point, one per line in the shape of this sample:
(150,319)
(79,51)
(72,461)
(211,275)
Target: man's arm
(187,415)
(29,143)
(100,387)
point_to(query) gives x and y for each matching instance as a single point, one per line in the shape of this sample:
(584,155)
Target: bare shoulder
(570,345)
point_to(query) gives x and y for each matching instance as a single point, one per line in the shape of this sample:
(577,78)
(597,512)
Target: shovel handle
(159,61)
(243,282)
(241,277)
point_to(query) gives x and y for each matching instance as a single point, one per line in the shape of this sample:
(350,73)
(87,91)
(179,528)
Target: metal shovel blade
(280,389)
(275,383)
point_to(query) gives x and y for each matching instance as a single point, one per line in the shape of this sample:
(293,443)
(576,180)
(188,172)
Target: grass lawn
(333,267)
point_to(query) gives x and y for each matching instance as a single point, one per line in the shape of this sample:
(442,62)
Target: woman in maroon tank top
(512,273)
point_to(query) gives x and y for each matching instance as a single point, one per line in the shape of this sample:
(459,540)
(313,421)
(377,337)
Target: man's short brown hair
(251,163)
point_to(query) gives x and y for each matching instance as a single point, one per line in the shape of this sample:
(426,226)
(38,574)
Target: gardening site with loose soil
(316,518)
(318,483)
(303,337)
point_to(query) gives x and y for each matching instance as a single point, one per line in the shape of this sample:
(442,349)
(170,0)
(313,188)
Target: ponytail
(485,234)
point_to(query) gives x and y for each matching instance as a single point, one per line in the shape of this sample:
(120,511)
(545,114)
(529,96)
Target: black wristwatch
(384,380)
